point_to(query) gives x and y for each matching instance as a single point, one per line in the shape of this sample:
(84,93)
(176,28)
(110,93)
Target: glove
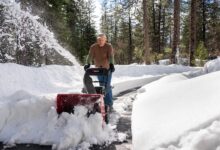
(111,67)
(86,66)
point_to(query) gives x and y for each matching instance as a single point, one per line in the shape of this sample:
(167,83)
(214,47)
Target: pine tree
(201,53)
(176,32)
(192,37)
(146,32)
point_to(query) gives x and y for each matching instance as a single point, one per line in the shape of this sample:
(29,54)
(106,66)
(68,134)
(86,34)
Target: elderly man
(102,54)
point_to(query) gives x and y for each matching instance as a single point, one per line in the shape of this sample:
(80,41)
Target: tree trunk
(163,32)
(204,22)
(176,30)
(130,46)
(115,27)
(192,44)
(146,30)
(170,36)
(154,33)
(158,30)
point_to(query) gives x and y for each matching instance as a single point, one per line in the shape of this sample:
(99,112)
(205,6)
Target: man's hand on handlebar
(86,66)
(111,67)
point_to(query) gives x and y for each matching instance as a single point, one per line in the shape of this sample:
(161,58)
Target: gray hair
(101,35)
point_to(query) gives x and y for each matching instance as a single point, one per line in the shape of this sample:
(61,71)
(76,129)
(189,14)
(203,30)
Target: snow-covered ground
(179,113)
(28,114)
(28,111)
(131,76)
(39,81)
(176,112)
(134,71)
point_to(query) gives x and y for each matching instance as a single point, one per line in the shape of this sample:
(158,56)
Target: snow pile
(44,80)
(27,104)
(28,111)
(31,119)
(172,106)
(211,66)
(164,62)
(127,77)
(129,72)
(141,70)
(204,139)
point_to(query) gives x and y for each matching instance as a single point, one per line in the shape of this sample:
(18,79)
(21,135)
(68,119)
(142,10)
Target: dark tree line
(141,31)
(147,31)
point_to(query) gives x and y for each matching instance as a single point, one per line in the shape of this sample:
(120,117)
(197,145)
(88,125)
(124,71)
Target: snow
(134,71)
(164,62)
(212,66)
(28,26)
(133,76)
(167,112)
(171,112)
(28,111)
(9,57)
(204,139)
(39,81)
(122,137)
(36,121)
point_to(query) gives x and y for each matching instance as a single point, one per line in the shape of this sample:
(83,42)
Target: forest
(140,31)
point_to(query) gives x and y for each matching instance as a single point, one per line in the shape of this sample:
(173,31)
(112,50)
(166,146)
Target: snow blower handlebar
(97,71)
(102,74)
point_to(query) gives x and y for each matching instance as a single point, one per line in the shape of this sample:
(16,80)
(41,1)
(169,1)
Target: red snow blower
(92,97)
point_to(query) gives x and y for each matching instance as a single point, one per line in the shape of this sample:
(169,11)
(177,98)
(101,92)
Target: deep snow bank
(212,66)
(202,139)
(31,119)
(172,106)
(135,70)
(27,104)
(127,77)
(28,113)
(39,81)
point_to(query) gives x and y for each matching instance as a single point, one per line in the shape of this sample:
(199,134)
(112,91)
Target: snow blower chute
(92,97)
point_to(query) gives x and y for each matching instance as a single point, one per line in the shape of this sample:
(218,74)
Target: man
(102,55)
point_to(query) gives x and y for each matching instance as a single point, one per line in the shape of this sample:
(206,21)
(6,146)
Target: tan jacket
(101,55)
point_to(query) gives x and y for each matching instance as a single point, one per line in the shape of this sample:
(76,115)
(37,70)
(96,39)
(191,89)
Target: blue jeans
(108,90)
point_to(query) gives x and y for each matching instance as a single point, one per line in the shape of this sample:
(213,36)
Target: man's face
(101,41)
